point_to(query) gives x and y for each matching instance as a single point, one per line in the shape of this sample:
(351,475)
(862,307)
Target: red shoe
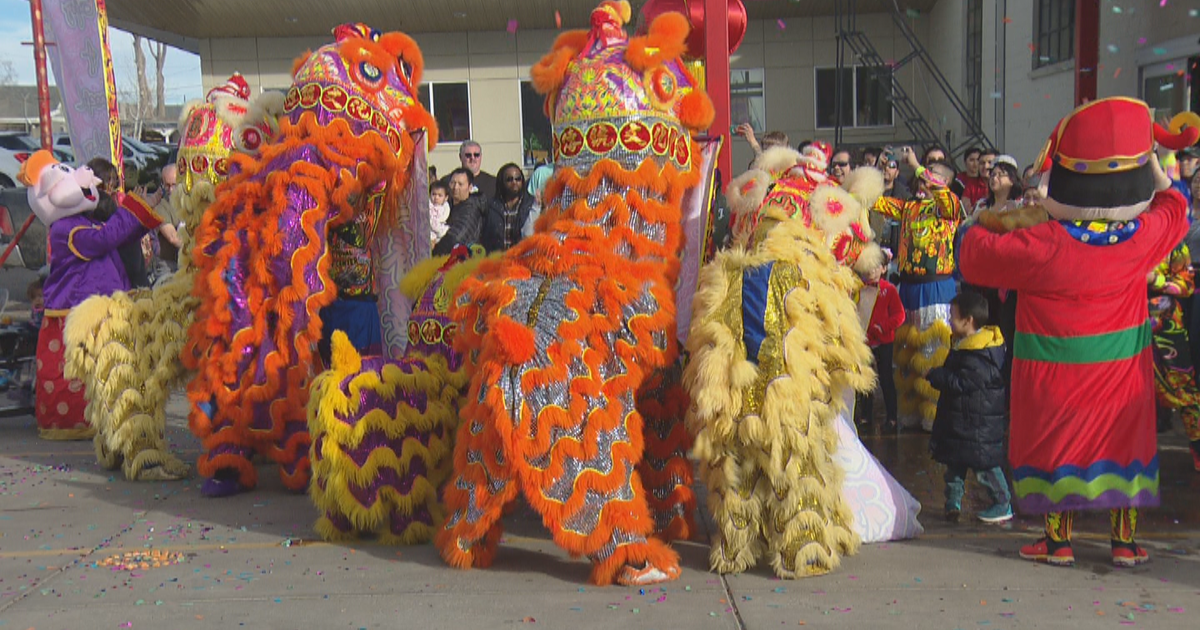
(1128,554)
(1045,550)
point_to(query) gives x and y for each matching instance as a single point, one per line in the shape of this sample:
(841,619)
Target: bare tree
(8,74)
(159,51)
(145,101)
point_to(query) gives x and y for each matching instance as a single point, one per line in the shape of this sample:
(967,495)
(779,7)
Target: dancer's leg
(1125,551)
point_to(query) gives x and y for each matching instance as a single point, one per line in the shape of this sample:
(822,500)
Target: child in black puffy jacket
(972,411)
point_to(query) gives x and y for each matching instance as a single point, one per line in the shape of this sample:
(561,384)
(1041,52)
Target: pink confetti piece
(557,20)
(1115,75)
(1177,609)
(842,610)
(1142,41)
(1162,3)
(782,24)
(512,27)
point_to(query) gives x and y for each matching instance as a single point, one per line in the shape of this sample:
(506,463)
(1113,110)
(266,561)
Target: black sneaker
(952,515)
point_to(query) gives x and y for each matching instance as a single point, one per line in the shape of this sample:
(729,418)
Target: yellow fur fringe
(334,471)
(774,489)
(126,349)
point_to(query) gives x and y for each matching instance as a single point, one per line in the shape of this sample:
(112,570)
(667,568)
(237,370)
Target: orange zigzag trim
(249,205)
(603,278)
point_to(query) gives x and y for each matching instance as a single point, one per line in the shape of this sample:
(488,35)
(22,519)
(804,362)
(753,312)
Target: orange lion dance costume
(266,259)
(574,400)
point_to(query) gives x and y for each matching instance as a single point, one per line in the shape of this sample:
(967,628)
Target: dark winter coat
(492,236)
(972,411)
(464,226)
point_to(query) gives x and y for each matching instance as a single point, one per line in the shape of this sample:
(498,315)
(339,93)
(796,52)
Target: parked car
(142,147)
(14,209)
(15,148)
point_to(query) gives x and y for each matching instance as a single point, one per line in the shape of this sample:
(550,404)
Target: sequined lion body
(341,157)
(774,345)
(573,401)
(126,347)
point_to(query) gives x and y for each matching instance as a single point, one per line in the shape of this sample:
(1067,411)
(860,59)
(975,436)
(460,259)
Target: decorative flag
(83,70)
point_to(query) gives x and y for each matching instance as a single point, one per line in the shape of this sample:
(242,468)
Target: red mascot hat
(1101,160)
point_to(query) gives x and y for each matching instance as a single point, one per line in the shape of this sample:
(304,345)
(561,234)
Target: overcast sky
(182,72)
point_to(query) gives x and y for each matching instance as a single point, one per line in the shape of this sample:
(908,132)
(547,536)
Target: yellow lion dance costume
(381,429)
(775,343)
(126,347)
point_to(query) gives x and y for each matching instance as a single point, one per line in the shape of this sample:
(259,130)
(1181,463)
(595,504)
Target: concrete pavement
(253,561)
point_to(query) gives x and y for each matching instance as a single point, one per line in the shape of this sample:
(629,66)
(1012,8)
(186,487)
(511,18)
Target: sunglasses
(514,179)
(893,164)
(472,155)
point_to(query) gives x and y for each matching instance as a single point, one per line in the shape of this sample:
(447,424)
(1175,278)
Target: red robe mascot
(1083,419)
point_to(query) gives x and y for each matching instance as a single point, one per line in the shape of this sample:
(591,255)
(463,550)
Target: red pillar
(1087,49)
(716,65)
(39,64)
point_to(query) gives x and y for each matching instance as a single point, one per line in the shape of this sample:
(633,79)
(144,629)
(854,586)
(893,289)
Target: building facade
(1010,61)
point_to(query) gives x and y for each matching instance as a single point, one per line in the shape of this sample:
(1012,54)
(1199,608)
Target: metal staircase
(865,54)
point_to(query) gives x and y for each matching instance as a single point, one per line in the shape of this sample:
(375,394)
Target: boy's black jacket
(972,411)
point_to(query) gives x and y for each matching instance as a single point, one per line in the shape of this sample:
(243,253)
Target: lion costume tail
(125,348)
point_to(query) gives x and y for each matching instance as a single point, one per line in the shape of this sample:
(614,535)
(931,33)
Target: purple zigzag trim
(374,440)
(1107,500)
(389,478)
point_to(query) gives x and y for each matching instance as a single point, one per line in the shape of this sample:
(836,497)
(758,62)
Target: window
(1166,92)
(1054,29)
(746,103)
(973,82)
(451,107)
(535,126)
(866,97)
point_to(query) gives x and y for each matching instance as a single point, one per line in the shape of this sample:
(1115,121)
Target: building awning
(177,23)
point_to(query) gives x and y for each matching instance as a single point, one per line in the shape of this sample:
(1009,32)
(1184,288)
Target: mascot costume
(571,336)
(267,261)
(777,352)
(126,347)
(1083,420)
(83,262)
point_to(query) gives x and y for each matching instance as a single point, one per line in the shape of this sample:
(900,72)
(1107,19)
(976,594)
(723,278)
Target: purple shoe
(224,484)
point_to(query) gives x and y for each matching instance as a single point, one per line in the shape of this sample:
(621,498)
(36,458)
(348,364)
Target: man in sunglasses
(470,154)
(840,165)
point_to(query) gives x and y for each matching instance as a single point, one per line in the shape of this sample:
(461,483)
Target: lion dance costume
(126,346)
(574,400)
(775,348)
(1083,420)
(265,264)
(926,264)
(382,429)
(1174,370)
